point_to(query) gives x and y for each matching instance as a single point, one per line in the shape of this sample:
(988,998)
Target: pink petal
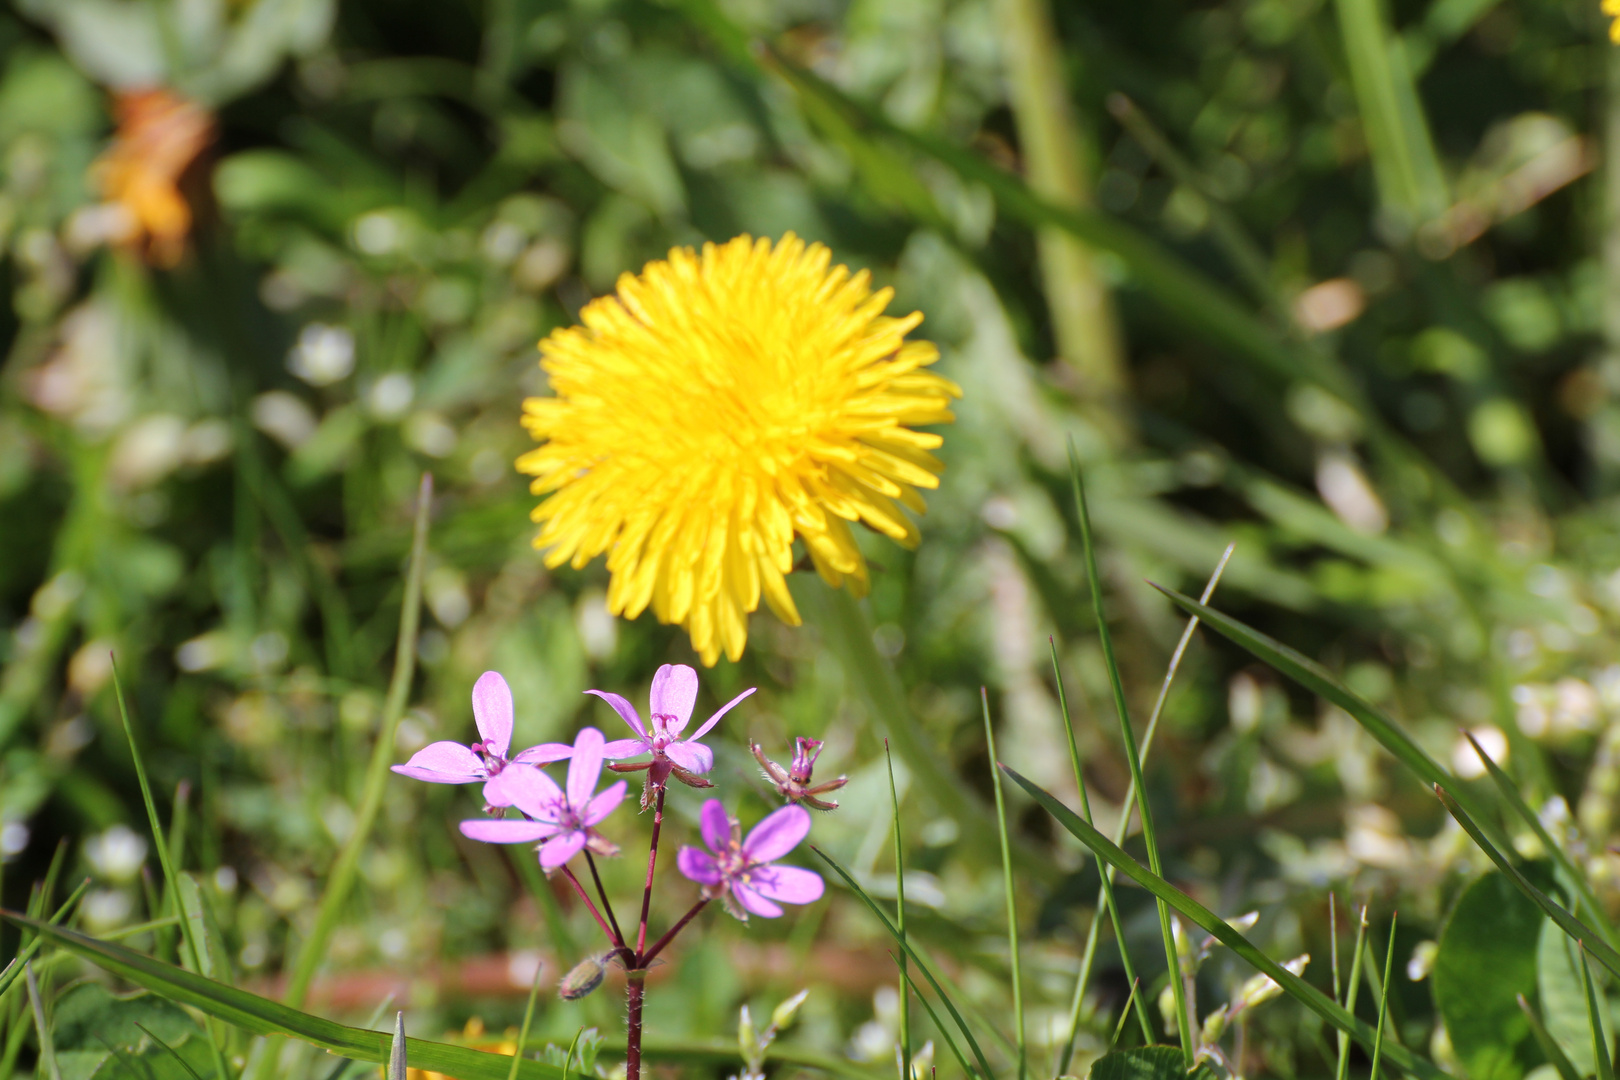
(623,748)
(545,753)
(754,902)
(715,719)
(525,787)
(443,763)
(625,710)
(585,766)
(492,711)
(491,831)
(716,825)
(674,692)
(789,884)
(698,865)
(777,835)
(560,848)
(604,804)
(691,756)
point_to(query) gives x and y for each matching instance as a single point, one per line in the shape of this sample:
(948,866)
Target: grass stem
(1012,896)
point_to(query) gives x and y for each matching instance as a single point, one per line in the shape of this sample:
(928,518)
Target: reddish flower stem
(634,992)
(597,915)
(658,946)
(652,864)
(618,936)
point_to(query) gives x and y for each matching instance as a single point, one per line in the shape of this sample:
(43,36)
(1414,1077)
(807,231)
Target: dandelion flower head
(718,405)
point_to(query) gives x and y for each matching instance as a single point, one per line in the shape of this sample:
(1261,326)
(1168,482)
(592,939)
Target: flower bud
(584,977)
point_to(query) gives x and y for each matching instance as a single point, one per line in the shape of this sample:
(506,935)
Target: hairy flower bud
(583,978)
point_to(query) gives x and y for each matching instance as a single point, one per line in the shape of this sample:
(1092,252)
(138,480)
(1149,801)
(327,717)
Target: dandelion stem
(607,906)
(669,935)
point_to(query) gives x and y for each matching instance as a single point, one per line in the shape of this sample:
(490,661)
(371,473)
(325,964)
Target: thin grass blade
(1124,1015)
(396,1050)
(1549,1045)
(42,1030)
(1317,679)
(1600,1043)
(262,1016)
(1590,940)
(528,1018)
(900,918)
(1510,792)
(944,1032)
(1218,928)
(172,1052)
(1007,887)
(1132,755)
(1383,1001)
(341,879)
(1351,992)
(905,946)
(13,971)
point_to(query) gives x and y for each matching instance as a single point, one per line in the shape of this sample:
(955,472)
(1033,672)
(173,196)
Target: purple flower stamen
(741,871)
(564,817)
(674,693)
(453,763)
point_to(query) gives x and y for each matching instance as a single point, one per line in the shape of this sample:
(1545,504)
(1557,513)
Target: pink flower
(741,870)
(565,819)
(793,783)
(674,692)
(453,763)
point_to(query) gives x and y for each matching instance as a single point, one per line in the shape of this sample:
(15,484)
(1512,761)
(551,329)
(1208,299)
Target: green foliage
(1147,1063)
(1486,961)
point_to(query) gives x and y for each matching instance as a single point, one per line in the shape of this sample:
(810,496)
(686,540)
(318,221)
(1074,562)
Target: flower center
(493,763)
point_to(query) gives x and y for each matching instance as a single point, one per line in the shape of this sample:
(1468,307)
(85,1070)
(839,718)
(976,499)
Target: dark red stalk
(618,936)
(652,864)
(634,992)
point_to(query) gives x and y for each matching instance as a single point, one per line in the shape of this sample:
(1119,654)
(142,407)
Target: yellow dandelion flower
(1611,8)
(717,406)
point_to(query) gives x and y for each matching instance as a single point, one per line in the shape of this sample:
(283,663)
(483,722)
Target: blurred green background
(1335,280)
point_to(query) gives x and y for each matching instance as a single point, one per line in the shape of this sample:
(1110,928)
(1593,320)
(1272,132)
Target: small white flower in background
(1259,989)
(1465,760)
(148,450)
(90,667)
(116,854)
(391,395)
(1422,961)
(284,417)
(106,909)
(1349,494)
(13,839)
(324,354)
(206,442)
(205,652)
(752,1044)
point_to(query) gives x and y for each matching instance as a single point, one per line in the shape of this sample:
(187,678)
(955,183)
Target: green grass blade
(905,946)
(720,1053)
(1549,1045)
(341,879)
(528,1019)
(1128,738)
(1383,1002)
(396,1051)
(1589,939)
(1350,994)
(1007,887)
(1106,891)
(1600,1042)
(13,971)
(1317,679)
(944,1032)
(194,950)
(172,1052)
(1510,792)
(262,1016)
(1220,930)
(42,1030)
(1124,1015)
(900,918)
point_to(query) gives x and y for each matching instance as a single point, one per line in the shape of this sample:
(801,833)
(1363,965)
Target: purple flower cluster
(562,821)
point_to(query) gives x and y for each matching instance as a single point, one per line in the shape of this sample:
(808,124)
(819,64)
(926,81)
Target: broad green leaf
(1563,998)
(91,1017)
(262,1016)
(1221,931)
(1147,1063)
(1487,959)
(1569,924)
